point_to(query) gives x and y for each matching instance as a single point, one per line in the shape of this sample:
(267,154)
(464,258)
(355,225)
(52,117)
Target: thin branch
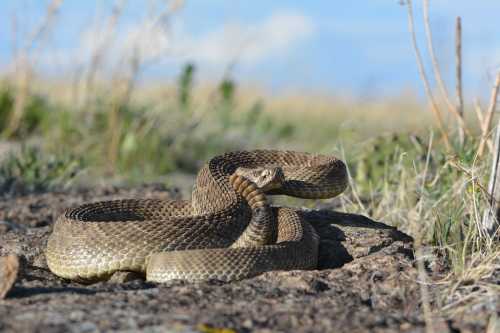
(458,75)
(489,114)
(423,284)
(99,51)
(482,123)
(44,27)
(437,71)
(136,62)
(24,64)
(424,78)
(490,216)
(14,37)
(479,113)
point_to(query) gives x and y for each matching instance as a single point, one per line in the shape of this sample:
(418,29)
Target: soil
(366,282)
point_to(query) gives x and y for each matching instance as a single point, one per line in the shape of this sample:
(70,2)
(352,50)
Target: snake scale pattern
(227,231)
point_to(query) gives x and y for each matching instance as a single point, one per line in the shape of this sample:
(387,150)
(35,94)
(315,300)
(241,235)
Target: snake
(228,230)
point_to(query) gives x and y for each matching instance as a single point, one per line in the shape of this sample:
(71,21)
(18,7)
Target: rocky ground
(367,281)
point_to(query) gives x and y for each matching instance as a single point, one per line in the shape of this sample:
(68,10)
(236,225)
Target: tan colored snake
(227,231)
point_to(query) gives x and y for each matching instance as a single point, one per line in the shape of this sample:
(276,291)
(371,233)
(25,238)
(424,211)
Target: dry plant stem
(100,50)
(14,36)
(458,80)
(479,113)
(23,68)
(426,169)
(490,217)
(19,97)
(489,115)
(157,18)
(482,123)
(493,324)
(352,185)
(114,118)
(424,291)
(115,129)
(437,71)
(455,164)
(23,77)
(423,76)
(136,63)
(40,32)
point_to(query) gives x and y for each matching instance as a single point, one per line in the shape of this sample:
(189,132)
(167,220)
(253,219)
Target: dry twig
(424,290)
(480,118)
(489,115)
(136,60)
(24,65)
(437,72)
(490,221)
(479,112)
(458,74)
(100,50)
(423,76)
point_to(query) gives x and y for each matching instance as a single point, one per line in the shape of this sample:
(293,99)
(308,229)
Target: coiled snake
(228,231)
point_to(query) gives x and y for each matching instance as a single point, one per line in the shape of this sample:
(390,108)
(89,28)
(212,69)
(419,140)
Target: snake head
(266,178)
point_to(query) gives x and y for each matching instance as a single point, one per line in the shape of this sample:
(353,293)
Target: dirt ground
(366,282)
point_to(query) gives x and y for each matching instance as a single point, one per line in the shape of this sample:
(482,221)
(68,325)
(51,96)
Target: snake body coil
(227,231)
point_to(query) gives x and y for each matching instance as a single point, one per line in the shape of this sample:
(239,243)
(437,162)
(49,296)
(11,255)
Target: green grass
(426,191)
(130,139)
(31,171)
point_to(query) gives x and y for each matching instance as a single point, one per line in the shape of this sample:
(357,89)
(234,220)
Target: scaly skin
(227,231)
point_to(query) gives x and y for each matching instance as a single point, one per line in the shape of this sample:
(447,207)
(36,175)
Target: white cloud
(248,44)
(252,43)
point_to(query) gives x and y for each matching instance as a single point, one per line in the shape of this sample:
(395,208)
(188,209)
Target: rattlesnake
(227,231)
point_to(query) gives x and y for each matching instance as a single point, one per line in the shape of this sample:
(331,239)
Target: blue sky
(327,46)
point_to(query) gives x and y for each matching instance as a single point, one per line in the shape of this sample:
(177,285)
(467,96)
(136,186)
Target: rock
(345,237)
(9,267)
